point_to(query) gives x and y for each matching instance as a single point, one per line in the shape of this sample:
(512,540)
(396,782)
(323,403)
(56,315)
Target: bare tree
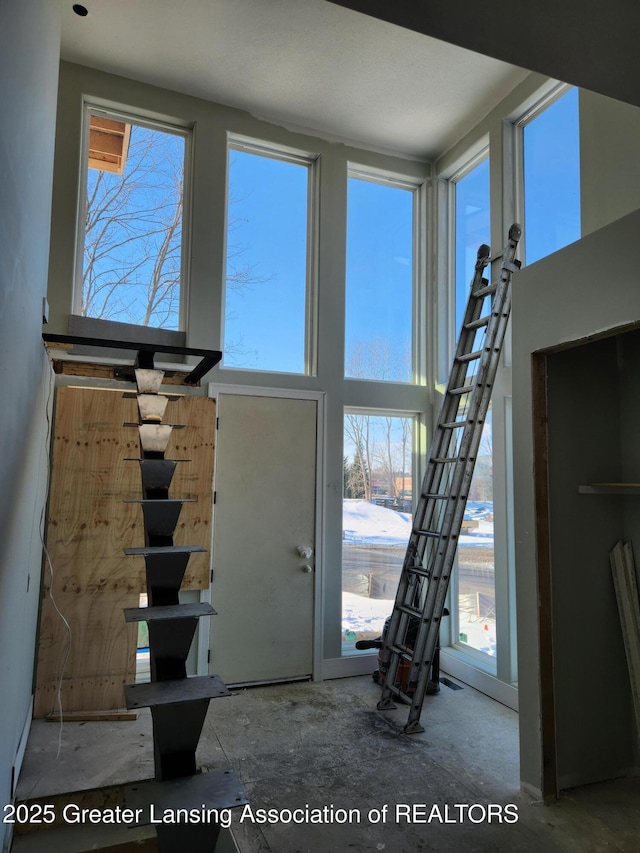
(133,237)
(133,234)
(358,431)
(378,358)
(482,482)
(378,449)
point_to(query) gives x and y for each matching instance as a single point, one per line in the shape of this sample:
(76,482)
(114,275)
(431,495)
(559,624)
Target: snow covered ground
(367,524)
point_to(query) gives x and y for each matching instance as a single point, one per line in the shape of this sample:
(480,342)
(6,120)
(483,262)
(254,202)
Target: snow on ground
(365,523)
(479,537)
(364,614)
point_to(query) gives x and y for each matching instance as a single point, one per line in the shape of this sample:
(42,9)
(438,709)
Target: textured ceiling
(307,64)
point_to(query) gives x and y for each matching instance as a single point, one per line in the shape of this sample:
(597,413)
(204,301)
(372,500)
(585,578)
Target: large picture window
(379,281)
(268,302)
(130,268)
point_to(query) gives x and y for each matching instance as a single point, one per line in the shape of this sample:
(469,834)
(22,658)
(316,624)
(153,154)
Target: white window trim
(92,106)
(299,157)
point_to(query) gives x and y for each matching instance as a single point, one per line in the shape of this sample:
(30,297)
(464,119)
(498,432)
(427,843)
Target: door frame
(215,390)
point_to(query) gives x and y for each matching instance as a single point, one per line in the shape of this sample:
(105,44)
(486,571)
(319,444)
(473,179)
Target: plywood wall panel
(89,525)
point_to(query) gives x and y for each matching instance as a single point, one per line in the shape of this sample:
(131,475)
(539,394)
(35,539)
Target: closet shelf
(610,489)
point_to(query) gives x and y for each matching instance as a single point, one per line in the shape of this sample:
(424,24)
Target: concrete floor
(326,746)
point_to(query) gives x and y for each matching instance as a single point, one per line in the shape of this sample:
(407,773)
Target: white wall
(587,288)
(29,55)
(610,166)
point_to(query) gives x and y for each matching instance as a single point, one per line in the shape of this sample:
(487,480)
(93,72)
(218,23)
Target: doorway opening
(586,405)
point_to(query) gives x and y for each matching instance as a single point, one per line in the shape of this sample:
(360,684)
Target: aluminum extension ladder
(412,634)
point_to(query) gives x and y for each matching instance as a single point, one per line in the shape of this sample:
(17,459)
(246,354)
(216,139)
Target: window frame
(287,154)
(118,112)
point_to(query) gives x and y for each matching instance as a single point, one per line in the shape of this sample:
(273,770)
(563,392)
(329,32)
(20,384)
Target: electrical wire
(67,652)
(65,658)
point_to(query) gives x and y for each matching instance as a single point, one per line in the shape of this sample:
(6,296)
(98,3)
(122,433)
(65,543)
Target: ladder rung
(410,611)
(402,652)
(432,533)
(454,424)
(416,570)
(469,356)
(443,460)
(400,693)
(479,323)
(464,389)
(485,291)
(435,496)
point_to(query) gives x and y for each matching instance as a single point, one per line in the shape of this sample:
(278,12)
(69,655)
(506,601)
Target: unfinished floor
(325,744)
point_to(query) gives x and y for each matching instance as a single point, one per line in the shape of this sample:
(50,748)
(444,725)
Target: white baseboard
(488,684)
(349,666)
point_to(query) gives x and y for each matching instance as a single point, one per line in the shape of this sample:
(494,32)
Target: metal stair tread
(175,691)
(160,501)
(163,549)
(168,612)
(216,789)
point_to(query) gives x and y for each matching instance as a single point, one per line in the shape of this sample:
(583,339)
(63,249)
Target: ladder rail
(423,588)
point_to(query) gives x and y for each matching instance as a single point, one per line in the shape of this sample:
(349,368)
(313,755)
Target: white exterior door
(263,587)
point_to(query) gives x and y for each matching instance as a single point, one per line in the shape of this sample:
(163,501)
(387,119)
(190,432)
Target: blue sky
(266,243)
(265,317)
(551,195)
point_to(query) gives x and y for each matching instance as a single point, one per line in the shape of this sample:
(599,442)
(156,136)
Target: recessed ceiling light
(80,10)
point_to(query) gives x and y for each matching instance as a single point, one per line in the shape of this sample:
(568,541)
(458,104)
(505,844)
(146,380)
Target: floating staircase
(178,703)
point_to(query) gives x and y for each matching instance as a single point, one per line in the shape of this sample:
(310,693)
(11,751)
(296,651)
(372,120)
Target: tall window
(551,177)
(377,507)
(475,607)
(267,322)
(379,281)
(132,259)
